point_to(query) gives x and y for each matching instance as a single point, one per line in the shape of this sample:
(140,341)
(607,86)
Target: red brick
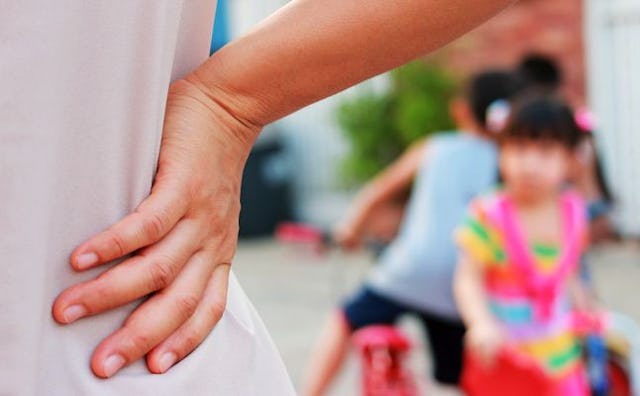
(551,27)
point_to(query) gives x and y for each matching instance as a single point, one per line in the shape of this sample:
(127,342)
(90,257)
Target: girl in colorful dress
(516,285)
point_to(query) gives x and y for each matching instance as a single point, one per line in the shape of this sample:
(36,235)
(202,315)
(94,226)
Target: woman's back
(84,89)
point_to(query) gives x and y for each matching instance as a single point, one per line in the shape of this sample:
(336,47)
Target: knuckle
(190,340)
(116,243)
(139,343)
(213,215)
(153,226)
(161,275)
(216,309)
(101,294)
(186,305)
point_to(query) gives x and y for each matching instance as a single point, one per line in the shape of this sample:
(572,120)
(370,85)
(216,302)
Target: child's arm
(484,336)
(581,296)
(396,178)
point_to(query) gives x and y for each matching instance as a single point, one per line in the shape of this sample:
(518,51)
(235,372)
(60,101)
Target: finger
(191,334)
(154,320)
(151,220)
(136,277)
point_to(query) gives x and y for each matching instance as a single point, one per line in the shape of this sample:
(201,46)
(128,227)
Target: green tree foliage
(379,126)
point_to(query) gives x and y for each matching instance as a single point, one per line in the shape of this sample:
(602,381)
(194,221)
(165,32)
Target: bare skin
(184,235)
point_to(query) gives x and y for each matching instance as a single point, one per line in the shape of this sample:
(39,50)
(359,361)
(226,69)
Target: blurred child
(517,276)
(415,272)
(588,177)
(540,72)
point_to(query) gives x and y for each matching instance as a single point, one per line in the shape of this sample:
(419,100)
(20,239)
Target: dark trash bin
(266,189)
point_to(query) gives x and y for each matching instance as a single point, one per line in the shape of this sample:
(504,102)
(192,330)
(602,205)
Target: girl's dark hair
(488,86)
(603,185)
(542,117)
(540,72)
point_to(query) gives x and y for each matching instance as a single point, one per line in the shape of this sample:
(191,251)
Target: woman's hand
(187,228)
(183,238)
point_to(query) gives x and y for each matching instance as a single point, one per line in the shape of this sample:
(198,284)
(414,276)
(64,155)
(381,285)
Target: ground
(294,290)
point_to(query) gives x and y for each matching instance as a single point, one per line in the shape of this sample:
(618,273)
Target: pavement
(294,289)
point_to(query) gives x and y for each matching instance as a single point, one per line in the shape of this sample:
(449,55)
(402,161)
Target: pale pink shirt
(83,87)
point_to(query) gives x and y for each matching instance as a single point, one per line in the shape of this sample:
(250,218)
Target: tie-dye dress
(525,282)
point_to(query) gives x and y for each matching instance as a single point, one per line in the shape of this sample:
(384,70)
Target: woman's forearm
(311,49)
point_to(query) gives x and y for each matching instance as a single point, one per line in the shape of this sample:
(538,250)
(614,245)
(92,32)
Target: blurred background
(308,166)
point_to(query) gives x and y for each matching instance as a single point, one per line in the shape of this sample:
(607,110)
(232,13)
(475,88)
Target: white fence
(613,47)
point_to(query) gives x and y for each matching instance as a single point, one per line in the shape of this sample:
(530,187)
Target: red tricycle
(611,363)
(612,360)
(382,350)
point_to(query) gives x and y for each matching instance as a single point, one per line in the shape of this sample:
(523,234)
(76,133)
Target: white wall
(312,135)
(613,47)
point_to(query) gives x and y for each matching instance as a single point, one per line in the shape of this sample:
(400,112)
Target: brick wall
(551,27)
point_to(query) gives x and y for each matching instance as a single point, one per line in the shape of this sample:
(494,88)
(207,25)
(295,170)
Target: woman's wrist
(208,141)
(239,132)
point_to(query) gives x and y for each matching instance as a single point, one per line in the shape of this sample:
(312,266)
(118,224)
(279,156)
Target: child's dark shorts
(445,336)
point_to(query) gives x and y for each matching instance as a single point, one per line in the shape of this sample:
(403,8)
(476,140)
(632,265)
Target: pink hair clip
(585,119)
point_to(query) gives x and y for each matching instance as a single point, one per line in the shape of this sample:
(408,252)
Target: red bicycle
(383,350)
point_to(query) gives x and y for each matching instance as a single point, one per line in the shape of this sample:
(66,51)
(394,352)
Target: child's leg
(446,339)
(366,308)
(445,390)
(328,355)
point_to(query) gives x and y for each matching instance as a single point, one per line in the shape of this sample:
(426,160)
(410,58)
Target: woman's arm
(395,179)
(311,49)
(185,232)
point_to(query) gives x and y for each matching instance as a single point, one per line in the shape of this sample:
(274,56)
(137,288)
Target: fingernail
(86,260)
(73,313)
(112,364)
(167,360)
